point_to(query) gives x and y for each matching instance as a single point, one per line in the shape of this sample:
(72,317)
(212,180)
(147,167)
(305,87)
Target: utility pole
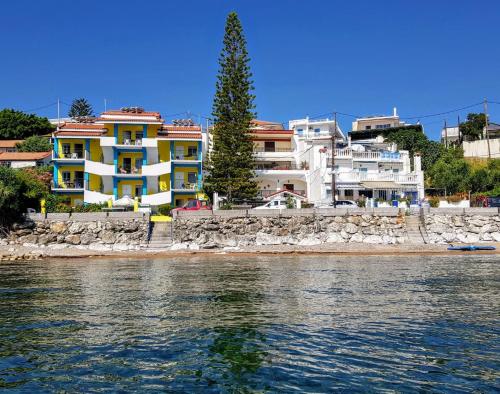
(58,113)
(105,105)
(334,188)
(445,135)
(486,127)
(458,131)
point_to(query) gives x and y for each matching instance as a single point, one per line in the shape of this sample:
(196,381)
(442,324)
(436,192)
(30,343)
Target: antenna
(105,105)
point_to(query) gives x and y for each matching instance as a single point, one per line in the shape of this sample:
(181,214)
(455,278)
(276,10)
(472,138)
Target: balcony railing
(350,154)
(367,176)
(267,193)
(179,185)
(187,157)
(131,142)
(277,167)
(75,155)
(260,149)
(76,184)
(129,170)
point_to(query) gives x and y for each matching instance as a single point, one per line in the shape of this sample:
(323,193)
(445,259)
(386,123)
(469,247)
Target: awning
(380,185)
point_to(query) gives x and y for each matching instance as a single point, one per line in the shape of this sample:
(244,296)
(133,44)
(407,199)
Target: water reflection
(233,324)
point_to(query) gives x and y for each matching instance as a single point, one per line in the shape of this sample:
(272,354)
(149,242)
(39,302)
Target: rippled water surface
(251,324)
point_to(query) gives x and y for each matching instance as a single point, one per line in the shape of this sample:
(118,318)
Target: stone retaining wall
(85,230)
(215,231)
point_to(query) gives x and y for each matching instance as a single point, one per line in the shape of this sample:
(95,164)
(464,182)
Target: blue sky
(308,57)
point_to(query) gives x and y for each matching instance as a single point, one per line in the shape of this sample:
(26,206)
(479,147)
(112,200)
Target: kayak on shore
(471,247)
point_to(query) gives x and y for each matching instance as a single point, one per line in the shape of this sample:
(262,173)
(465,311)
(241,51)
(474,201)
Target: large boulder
(73,239)
(58,227)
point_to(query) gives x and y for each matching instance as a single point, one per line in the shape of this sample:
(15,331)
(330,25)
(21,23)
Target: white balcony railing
(156,169)
(179,185)
(372,156)
(157,198)
(98,168)
(70,156)
(367,176)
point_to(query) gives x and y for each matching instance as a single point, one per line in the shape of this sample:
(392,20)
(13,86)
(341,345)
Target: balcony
(98,168)
(260,149)
(93,197)
(367,156)
(354,177)
(186,186)
(275,169)
(156,169)
(76,185)
(127,171)
(156,199)
(261,153)
(182,157)
(69,156)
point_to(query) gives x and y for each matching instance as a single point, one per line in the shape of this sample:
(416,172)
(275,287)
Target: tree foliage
(231,161)
(34,144)
(414,140)
(21,189)
(19,125)
(472,129)
(80,109)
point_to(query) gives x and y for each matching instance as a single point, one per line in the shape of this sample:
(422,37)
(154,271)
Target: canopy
(125,201)
(381,185)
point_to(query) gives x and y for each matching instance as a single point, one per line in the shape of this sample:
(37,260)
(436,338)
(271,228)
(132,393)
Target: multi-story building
(128,152)
(378,122)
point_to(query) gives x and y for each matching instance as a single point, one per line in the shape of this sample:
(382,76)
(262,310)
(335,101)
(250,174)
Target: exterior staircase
(160,235)
(415,230)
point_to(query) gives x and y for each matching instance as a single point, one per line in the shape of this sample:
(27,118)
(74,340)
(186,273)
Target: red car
(194,205)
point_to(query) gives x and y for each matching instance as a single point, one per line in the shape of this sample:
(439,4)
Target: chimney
(395,111)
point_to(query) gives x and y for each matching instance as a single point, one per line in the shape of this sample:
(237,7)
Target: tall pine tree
(231,161)
(80,109)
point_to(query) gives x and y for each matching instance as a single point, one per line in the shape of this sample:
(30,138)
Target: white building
(25,159)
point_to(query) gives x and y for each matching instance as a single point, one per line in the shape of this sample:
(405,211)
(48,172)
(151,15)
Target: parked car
(194,205)
(274,204)
(340,203)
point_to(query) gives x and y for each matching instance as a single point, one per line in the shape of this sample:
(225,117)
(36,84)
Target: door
(66,178)
(127,136)
(179,181)
(127,190)
(138,165)
(79,151)
(179,152)
(269,146)
(127,164)
(78,179)
(66,150)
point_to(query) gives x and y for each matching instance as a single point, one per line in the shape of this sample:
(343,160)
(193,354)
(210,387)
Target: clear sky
(308,57)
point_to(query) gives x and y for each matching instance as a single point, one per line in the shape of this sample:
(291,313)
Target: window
(138,136)
(127,136)
(382,194)
(192,151)
(317,130)
(191,204)
(395,170)
(66,150)
(66,177)
(288,186)
(192,177)
(300,131)
(368,127)
(138,190)
(138,164)
(349,193)
(79,150)
(383,126)
(269,146)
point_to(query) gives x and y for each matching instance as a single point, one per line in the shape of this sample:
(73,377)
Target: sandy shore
(9,253)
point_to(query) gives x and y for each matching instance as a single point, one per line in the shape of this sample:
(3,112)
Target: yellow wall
(70,169)
(71,142)
(94,182)
(185,145)
(185,171)
(164,150)
(95,150)
(152,130)
(133,183)
(164,183)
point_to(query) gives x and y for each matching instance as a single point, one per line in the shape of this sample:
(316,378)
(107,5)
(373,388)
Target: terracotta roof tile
(9,143)
(23,156)
(169,127)
(173,136)
(270,131)
(81,126)
(79,133)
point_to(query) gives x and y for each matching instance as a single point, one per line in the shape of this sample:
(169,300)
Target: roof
(9,143)
(133,115)
(24,156)
(173,136)
(81,126)
(258,122)
(285,191)
(170,127)
(270,131)
(79,133)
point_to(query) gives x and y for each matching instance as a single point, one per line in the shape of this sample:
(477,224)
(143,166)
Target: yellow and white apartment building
(128,152)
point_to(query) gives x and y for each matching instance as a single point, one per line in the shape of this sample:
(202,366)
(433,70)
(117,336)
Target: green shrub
(434,202)
(165,210)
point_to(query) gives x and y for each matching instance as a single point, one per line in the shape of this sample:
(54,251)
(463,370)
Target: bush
(434,202)
(89,207)
(165,210)
(56,203)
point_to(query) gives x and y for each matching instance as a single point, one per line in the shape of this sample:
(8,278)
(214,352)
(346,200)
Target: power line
(39,108)
(442,113)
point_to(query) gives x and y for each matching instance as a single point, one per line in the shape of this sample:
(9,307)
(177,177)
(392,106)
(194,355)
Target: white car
(274,204)
(340,204)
